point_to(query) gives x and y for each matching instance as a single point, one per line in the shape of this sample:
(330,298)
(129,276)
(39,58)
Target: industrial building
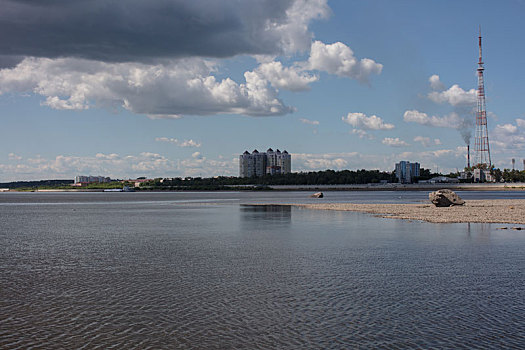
(262,163)
(406,171)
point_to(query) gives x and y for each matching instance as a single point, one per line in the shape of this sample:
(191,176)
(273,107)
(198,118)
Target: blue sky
(172,88)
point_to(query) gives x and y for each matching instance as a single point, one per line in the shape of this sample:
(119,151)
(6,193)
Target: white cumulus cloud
(179,87)
(190,143)
(287,78)
(185,143)
(170,81)
(197,155)
(394,142)
(509,138)
(311,162)
(362,134)
(454,96)
(167,139)
(361,121)
(73,71)
(294,34)
(508,129)
(452,120)
(435,83)
(339,59)
(426,141)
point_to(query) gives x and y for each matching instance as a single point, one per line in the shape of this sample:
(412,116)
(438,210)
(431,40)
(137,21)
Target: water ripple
(198,278)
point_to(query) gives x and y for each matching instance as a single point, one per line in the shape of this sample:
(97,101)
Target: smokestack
(513,163)
(468,156)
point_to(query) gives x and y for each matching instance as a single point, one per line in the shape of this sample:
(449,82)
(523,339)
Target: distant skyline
(178,88)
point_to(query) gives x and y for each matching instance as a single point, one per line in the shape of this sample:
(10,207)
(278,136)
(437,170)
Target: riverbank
(519,186)
(502,211)
(516,186)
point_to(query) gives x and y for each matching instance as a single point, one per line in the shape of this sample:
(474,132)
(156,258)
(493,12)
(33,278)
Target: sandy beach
(504,211)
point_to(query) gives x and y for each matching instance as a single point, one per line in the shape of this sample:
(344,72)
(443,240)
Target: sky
(171,88)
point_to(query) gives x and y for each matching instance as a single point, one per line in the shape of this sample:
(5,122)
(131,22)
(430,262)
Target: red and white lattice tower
(481,141)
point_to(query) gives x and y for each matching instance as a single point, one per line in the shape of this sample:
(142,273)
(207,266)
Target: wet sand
(504,211)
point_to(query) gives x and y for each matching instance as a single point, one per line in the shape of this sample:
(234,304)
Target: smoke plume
(466,124)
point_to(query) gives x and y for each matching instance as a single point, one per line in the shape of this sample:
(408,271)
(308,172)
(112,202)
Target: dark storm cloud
(9,61)
(140,30)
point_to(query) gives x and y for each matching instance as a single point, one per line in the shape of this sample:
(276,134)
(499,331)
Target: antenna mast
(482,149)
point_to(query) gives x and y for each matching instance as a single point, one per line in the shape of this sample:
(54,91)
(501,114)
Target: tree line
(36,184)
(508,175)
(326,177)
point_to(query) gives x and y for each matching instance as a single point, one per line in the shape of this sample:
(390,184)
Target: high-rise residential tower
(260,163)
(406,171)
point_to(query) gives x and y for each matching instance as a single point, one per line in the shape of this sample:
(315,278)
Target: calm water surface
(209,270)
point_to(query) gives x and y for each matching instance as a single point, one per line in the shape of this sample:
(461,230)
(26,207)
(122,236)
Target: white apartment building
(260,163)
(88,179)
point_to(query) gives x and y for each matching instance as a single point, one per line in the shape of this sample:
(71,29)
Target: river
(211,270)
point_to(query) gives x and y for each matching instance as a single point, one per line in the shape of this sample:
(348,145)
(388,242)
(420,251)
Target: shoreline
(519,186)
(498,211)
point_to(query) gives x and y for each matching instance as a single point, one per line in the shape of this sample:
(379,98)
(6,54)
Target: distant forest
(326,177)
(36,184)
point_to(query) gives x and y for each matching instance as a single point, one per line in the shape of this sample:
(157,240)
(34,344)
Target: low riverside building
(444,179)
(261,163)
(139,182)
(465,176)
(406,171)
(481,175)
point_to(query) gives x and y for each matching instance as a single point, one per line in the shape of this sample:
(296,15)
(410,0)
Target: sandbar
(503,211)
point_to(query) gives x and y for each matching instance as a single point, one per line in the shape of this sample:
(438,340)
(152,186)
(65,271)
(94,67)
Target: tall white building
(260,163)
(246,165)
